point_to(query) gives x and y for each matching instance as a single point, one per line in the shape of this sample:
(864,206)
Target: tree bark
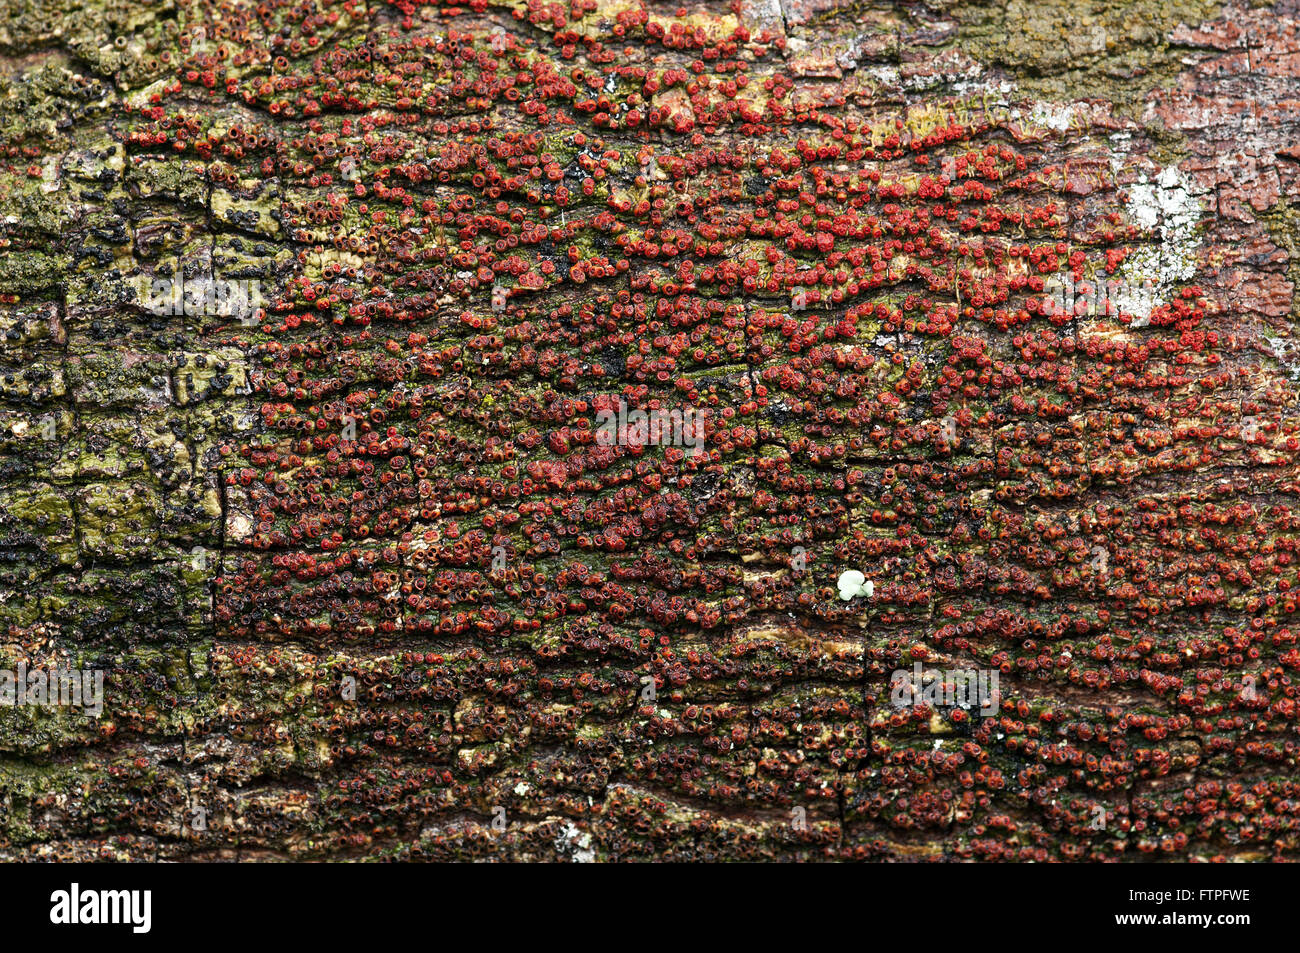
(326,328)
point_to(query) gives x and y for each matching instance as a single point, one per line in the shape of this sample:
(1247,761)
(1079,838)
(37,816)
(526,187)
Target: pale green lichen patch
(1113,50)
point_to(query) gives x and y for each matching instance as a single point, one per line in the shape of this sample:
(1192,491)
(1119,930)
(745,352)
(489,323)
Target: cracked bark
(166,516)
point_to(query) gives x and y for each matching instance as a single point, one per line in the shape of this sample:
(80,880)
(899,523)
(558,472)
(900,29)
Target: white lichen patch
(852,584)
(1055,116)
(985,87)
(1119,148)
(1168,208)
(885,75)
(1287,355)
(576,844)
(955,75)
